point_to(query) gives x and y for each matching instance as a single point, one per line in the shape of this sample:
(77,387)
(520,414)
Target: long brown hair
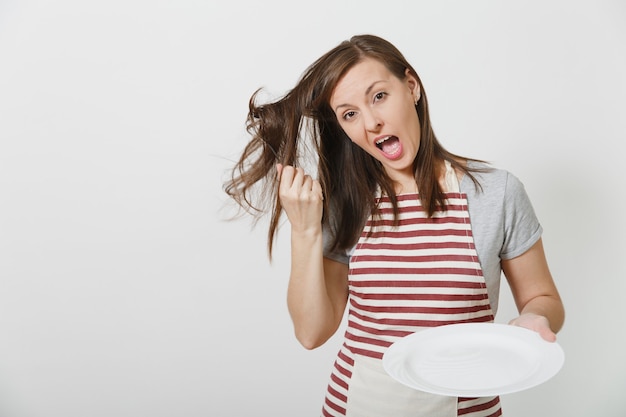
(349,176)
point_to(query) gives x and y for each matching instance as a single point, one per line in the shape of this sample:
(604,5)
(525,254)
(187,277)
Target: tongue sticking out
(390,146)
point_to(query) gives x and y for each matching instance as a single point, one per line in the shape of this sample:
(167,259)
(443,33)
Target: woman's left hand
(537,323)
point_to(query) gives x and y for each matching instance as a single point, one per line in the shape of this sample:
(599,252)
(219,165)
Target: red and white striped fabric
(423,273)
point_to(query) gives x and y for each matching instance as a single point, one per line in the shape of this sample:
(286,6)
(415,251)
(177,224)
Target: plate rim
(547,369)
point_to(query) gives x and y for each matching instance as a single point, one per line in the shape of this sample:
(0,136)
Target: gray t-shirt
(503,222)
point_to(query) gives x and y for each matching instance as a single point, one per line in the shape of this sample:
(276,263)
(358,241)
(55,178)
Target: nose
(372,121)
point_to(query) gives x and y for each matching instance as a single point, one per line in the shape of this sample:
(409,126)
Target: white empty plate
(473,359)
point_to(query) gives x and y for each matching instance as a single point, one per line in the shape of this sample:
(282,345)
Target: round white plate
(473,359)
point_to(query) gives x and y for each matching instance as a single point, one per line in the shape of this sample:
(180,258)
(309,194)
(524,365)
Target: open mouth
(390,145)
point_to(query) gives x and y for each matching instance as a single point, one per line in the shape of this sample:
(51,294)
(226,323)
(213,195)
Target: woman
(408,234)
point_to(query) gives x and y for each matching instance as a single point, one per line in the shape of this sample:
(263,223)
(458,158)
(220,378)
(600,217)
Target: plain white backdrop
(124,292)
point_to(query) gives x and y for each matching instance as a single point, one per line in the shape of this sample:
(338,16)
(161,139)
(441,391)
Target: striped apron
(423,273)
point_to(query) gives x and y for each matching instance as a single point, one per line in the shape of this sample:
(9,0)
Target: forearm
(536,296)
(548,306)
(311,307)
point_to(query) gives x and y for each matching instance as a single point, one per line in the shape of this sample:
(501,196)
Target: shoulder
(500,209)
(497,188)
(490,179)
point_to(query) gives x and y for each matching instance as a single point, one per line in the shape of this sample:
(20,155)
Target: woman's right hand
(318,287)
(301,197)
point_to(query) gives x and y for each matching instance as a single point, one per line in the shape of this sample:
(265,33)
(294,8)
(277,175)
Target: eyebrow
(367,91)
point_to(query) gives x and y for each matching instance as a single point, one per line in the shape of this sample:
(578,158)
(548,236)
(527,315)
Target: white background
(124,292)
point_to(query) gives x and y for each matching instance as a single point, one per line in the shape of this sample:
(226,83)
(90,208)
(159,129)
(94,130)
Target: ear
(413,85)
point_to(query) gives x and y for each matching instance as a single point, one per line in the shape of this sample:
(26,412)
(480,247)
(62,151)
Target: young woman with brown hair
(405,233)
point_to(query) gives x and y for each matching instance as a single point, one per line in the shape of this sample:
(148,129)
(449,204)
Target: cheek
(413,120)
(352,133)
(358,139)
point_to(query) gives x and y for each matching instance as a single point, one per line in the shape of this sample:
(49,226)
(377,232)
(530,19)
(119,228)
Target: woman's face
(377,112)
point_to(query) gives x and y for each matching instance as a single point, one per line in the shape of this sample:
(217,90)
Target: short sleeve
(521,226)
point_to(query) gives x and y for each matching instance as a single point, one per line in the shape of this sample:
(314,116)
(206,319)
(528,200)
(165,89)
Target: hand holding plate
(537,323)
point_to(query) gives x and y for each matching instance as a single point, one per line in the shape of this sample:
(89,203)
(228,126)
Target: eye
(348,115)
(379,96)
